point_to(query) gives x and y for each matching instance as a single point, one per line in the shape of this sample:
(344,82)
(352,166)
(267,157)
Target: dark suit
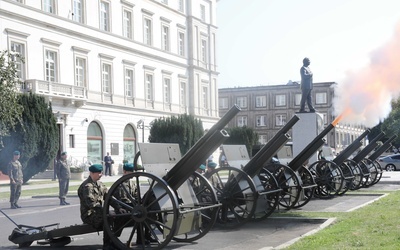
(306,87)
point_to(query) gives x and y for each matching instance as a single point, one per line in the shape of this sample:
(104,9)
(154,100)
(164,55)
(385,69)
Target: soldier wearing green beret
(63,171)
(91,195)
(16,177)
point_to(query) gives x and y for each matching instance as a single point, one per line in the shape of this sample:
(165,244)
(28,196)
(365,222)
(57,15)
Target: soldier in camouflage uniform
(16,177)
(63,172)
(91,195)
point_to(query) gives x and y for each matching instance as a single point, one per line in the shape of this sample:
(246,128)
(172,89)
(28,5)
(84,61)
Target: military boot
(65,202)
(16,205)
(13,206)
(62,202)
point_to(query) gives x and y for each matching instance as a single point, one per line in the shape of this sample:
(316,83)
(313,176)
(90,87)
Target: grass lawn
(375,226)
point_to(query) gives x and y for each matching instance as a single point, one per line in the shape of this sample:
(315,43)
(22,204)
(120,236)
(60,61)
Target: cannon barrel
(368,149)
(270,149)
(356,144)
(199,153)
(310,149)
(385,146)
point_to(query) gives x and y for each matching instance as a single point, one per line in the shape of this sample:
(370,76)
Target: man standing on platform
(64,174)
(306,86)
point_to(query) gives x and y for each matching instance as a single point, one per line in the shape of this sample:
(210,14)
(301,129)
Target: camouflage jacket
(126,192)
(91,195)
(63,170)
(15,171)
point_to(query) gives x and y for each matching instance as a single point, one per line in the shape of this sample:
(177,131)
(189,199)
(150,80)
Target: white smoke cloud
(365,96)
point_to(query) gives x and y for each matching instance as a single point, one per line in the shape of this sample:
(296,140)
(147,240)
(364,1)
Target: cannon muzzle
(356,144)
(270,149)
(199,153)
(385,146)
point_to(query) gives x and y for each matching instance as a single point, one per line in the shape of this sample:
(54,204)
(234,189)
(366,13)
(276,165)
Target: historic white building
(110,67)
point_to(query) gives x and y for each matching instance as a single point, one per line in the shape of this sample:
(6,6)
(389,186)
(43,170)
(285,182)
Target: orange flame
(340,117)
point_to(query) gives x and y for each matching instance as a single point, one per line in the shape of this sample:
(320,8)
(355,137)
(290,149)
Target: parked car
(390,162)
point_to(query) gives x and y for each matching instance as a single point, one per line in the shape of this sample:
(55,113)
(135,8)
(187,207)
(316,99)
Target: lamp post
(140,125)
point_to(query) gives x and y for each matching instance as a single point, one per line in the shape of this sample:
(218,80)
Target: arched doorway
(94,143)
(129,143)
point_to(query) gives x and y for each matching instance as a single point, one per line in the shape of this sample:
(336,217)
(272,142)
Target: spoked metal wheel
(289,182)
(366,174)
(373,172)
(329,178)
(358,175)
(151,212)
(269,198)
(206,197)
(348,177)
(379,173)
(237,194)
(308,187)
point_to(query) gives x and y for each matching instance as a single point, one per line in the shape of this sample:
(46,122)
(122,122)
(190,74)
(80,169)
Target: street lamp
(140,125)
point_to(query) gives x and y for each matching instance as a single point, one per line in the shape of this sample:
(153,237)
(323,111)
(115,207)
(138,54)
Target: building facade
(268,108)
(110,67)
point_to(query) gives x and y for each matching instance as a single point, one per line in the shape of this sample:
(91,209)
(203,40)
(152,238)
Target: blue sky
(263,42)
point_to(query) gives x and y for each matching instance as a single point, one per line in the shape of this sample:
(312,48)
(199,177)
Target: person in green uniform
(16,178)
(64,174)
(91,195)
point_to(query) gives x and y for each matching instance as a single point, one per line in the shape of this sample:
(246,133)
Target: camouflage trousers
(15,192)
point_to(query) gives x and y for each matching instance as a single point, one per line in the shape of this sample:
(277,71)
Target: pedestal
(305,130)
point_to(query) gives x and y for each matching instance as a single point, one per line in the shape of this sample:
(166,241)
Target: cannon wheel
(145,223)
(380,171)
(373,172)
(358,175)
(237,193)
(308,187)
(349,176)
(206,196)
(328,177)
(288,181)
(270,185)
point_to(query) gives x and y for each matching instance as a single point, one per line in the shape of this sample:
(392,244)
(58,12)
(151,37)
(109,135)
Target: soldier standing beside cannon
(306,86)
(16,177)
(63,173)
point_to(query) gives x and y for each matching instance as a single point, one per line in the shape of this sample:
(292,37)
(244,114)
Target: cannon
(263,189)
(160,206)
(372,158)
(329,189)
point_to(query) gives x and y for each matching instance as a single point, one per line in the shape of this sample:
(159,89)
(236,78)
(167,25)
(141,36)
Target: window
(149,87)
(165,38)
(49,6)
(242,121)
(262,139)
(223,103)
(203,12)
(297,99)
(106,78)
(181,43)
(51,66)
(127,24)
(77,11)
(104,16)
(80,72)
(203,50)
(147,30)
(128,82)
(261,101)
(180,5)
(241,102)
(19,48)
(72,141)
(183,94)
(280,100)
(280,120)
(320,98)
(205,97)
(167,90)
(260,121)
(325,118)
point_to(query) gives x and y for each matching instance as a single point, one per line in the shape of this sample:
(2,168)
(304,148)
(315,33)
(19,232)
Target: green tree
(183,129)
(10,109)
(391,125)
(36,137)
(242,136)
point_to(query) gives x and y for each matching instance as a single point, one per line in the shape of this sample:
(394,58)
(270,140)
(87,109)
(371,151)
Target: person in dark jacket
(306,86)
(63,170)
(16,178)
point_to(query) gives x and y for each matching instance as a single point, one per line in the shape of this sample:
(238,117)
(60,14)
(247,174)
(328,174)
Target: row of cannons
(171,201)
